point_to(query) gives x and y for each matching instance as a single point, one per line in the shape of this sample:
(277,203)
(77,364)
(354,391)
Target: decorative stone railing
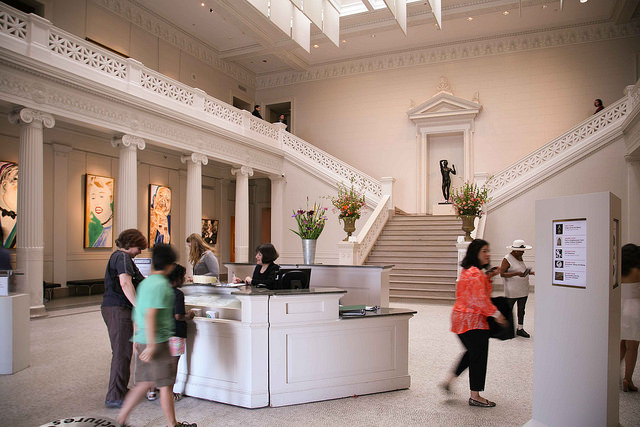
(355,252)
(561,152)
(36,38)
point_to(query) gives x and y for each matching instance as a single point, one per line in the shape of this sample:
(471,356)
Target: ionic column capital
(33,117)
(129,141)
(243,170)
(196,158)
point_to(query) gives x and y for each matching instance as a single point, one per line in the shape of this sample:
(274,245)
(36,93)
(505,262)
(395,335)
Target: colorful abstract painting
(98,216)
(8,203)
(159,215)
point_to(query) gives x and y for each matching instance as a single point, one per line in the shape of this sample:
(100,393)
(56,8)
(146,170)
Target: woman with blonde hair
(201,257)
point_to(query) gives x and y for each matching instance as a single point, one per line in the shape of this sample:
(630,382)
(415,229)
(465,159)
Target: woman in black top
(120,281)
(266,271)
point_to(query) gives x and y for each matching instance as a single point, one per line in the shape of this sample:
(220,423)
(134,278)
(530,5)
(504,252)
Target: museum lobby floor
(70,365)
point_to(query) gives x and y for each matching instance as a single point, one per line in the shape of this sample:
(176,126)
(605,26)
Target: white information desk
(277,348)
(365,284)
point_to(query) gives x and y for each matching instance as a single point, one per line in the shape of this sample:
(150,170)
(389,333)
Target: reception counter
(365,284)
(276,348)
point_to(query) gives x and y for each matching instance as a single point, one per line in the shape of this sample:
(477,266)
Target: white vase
(309,250)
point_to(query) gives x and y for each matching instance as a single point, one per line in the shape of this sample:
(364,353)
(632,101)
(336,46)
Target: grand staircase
(423,250)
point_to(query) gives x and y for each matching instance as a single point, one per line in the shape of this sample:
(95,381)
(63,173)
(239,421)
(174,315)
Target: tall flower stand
(468,226)
(349,226)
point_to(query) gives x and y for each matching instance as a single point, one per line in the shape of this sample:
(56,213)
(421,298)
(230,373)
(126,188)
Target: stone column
(278,183)
(242,213)
(193,211)
(127,185)
(60,213)
(30,219)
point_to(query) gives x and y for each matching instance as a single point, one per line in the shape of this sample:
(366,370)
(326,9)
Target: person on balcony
(598,104)
(256,112)
(516,281)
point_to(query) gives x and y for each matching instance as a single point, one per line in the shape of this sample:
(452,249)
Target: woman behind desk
(266,271)
(201,257)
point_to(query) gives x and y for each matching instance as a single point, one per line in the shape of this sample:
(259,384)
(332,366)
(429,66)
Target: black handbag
(497,330)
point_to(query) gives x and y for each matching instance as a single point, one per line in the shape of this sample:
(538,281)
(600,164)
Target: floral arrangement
(310,221)
(468,199)
(349,201)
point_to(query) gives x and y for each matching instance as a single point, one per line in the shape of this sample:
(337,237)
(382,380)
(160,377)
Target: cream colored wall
(300,184)
(84,18)
(528,98)
(603,171)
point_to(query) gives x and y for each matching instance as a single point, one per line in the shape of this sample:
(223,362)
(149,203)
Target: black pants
(522,301)
(476,341)
(120,327)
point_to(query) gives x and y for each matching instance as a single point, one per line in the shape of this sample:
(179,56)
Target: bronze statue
(446,178)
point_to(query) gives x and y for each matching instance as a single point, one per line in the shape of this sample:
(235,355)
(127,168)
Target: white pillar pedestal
(462,251)
(30,220)
(242,213)
(127,205)
(278,183)
(14,333)
(193,216)
(576,367)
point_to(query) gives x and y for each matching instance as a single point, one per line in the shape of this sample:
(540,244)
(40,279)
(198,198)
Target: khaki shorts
(161,369)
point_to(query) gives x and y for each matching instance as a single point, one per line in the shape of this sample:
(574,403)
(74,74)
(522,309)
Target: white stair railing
(567,149)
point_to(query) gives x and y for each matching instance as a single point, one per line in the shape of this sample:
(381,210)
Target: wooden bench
(48,288)
(89,283)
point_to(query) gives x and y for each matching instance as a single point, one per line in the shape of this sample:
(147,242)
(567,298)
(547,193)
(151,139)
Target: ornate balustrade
(568,148)
(36,38)
(356,252)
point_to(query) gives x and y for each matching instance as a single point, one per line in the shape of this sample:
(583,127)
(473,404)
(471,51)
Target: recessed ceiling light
(583,1)
(344,41)
(505,13)
(373,36)
(470,18)
(544,6)
(202,4)
(316,46)
(264,60)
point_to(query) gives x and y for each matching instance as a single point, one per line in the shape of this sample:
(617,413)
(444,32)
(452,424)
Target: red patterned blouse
(473,302)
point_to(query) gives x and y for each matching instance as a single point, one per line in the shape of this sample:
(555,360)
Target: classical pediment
(444,104)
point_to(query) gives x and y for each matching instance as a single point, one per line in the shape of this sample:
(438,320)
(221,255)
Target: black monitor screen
(293,278)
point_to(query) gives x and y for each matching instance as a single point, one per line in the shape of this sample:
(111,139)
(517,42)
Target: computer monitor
(293,278)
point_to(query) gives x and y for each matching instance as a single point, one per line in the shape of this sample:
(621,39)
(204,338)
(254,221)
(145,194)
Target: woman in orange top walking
(469,319)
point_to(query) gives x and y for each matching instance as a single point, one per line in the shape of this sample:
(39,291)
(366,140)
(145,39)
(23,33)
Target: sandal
(177,396)
(152,394)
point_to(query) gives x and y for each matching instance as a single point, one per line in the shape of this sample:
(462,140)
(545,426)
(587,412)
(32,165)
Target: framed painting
(98,212)
(210,231)
(8,203)
(159,215)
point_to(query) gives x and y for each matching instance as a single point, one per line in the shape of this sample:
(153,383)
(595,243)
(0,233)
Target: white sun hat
(519,245)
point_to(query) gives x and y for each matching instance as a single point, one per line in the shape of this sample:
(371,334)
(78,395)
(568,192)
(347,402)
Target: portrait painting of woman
(159,215)
(210,231)
(98,219)
(8,202)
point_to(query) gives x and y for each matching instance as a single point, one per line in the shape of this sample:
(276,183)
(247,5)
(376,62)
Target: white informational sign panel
(570,253)
(144,265)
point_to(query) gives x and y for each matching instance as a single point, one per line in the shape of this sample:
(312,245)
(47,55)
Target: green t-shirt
(154,292)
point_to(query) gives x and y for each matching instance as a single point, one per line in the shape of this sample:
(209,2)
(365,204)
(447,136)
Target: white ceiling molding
(159,27)
(436,9)
(506,44)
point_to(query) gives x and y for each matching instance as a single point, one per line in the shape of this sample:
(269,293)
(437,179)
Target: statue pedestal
(443,209)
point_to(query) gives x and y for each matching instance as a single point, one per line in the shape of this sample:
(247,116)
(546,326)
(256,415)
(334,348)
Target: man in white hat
(516,281)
